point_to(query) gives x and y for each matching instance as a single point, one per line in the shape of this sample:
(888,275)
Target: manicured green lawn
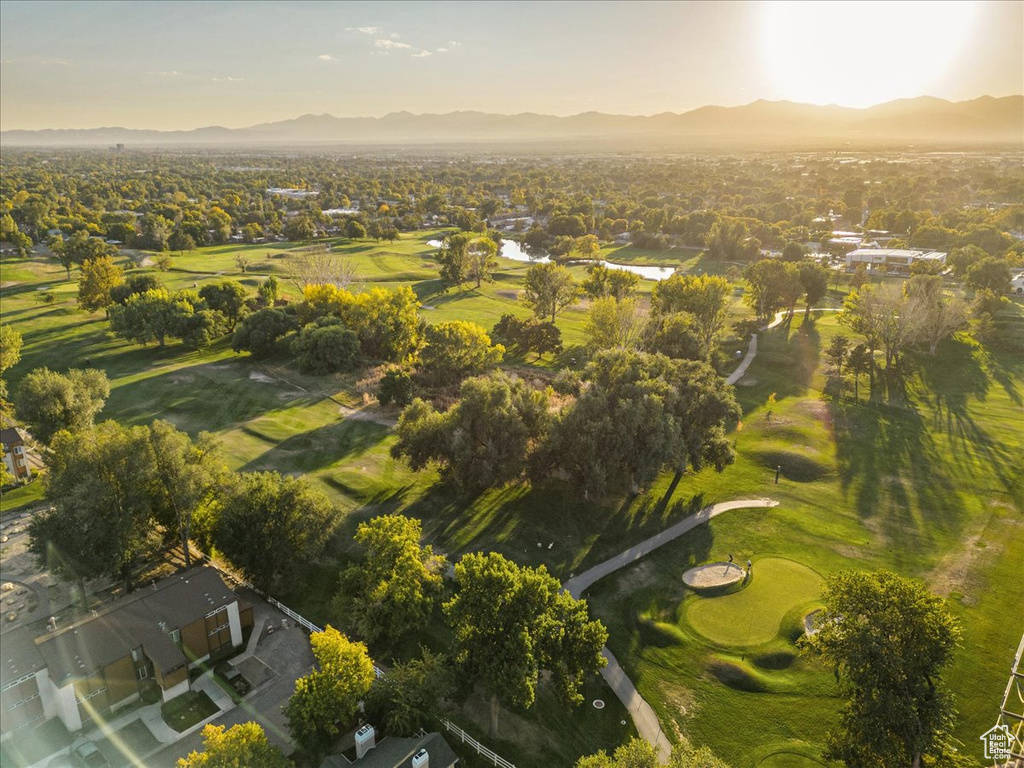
(753,615)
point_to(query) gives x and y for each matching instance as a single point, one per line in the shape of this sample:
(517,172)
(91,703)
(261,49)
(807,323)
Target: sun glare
(861,53)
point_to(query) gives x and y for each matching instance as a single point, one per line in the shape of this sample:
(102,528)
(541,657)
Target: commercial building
(892,259)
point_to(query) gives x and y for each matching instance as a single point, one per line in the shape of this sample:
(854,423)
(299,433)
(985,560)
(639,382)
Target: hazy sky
(172,65)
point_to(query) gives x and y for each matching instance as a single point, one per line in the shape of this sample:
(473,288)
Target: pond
(511,249)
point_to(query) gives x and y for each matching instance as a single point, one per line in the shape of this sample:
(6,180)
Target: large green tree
(393,589)
(481,259)
(456,348)
(638,414)
(186,475)
(267,524)
(405,700)
(227,297)
(453,257)
(328,698)
(814,281)
(241,746)
(99,277)
(888,641)
(772,285)
(258,333)
(510,623)
(677,335)
(485,439)
(549,288)
(602,282)
(48,401)
(527,335)
(79,248)
(101,522)
(154,315)
(326,346)
(940,315)
(990,274)
(705,297)
(10,354)
(616,323)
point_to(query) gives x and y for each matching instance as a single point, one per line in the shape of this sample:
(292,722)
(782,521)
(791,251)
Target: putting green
(753,616)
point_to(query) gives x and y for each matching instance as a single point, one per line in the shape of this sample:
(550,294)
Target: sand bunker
(713,575)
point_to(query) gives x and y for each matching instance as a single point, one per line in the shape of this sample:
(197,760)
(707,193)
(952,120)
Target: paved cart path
(644,717)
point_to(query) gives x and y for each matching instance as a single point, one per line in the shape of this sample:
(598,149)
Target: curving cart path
(752,350)
(644,717)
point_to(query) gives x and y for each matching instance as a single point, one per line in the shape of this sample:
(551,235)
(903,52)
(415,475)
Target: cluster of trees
(686,318)
(891,318)
(338,330)
(508,625)
(141,310)
(119,494)
(527,335)
(638,753)
(633,414)
(468,256)
(775,285)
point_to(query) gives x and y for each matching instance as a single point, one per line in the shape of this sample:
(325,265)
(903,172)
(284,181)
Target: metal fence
(481,750)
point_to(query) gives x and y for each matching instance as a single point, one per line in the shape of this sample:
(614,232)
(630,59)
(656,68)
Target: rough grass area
(753,615)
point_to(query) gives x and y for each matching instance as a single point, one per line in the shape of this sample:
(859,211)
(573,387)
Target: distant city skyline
(183,65)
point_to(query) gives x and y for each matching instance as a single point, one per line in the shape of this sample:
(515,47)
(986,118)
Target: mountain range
(923,120)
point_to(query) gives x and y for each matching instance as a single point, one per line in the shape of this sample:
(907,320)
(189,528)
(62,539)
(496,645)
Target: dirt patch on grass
(678,700)
(635,577)
(509,294)
(849,550)
(816,408)
(368,414)
(957,571)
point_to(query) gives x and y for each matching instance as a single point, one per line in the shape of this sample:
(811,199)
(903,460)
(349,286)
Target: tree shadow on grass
(891,467)
(319,448)
(1007,370)
(785,363)
(549,524)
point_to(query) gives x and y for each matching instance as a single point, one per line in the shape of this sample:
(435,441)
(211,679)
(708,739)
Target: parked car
(89,754)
